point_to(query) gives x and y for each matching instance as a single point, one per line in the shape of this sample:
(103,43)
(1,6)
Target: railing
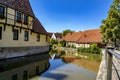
(113,64)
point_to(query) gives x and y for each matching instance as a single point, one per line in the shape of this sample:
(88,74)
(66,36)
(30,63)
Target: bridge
(110,65)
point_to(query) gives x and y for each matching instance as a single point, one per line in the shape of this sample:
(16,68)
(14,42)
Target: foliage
(95,49)
(110,27)
(66,31)
(71,46)
(53,41)
(52,51)
(63,43)
(62,53)
(92,49)
(85,50)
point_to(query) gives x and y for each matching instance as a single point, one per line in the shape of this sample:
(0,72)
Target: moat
(41,67)
(60,70)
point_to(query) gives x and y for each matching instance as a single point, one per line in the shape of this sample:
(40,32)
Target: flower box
(19,21)
(26,23)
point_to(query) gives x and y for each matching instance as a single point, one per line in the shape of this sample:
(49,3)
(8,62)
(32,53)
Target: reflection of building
(24,67)
(56,36)
(20,31)
(83,39)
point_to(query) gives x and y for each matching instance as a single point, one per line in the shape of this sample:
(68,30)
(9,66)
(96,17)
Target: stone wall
(10,52)
(102,73)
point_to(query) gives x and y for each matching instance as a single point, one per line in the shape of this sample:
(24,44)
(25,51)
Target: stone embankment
(102,74)
(11,52)
(103,68)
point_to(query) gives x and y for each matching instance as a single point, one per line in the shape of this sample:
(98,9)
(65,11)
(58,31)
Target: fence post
(109,64)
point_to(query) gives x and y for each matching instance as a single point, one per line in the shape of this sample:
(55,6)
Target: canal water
(26,68)
(60,70)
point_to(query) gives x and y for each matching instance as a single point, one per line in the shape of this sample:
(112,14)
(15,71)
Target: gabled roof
(25,7)
(91,36)
(37,27)
(88,36)
(57,35)
(73,37)
(20,5)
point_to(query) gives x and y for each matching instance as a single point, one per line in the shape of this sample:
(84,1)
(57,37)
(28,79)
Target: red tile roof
(88,36)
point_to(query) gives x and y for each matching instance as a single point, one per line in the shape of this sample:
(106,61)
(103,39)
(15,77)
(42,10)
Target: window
(38,37)
(0,32)
(26,36)
(15,34)
(46,38)
(2,12)
(19,17)
(25,75)
(37,69)
(26,19)
(14,77)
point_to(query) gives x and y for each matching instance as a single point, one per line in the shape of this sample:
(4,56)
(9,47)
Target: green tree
(66,31)
(110,27)
(53,41)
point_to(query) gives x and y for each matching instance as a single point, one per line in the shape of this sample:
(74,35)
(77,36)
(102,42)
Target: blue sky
(77,15)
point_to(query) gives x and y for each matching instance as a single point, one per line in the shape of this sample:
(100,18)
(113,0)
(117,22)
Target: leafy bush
(62,53)
(63,43)
(95,49)
(68,46)
(92,49)
(72,46)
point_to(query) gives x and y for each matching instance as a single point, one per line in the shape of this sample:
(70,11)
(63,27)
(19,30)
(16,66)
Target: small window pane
(15,34)
(2,10)
(25,75)
(0,32)
(46,38)
(38,37)
(18,16)
(37,69)
(26,36)
(25,18)
(14,77)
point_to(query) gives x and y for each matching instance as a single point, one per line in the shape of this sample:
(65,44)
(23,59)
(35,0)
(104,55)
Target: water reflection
(23,68)
(60,70)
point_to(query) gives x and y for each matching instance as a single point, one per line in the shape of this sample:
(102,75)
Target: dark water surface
(60,70)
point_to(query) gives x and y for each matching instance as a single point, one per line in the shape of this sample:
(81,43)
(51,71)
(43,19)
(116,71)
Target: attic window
(2,12)
(19,17)
(26,19)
